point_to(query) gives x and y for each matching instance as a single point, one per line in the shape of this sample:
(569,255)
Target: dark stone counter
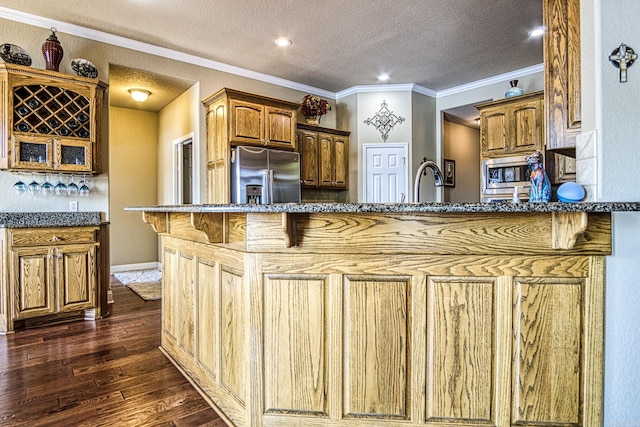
(49,219)
(400,207)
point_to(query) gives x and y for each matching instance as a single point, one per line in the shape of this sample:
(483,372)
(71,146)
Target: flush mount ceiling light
(383,77)
(139,95)
(282,42)
(537,32)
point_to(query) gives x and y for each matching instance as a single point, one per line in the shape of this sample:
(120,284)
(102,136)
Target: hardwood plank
(98,373)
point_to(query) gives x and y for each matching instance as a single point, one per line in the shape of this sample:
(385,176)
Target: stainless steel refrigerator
(262,176)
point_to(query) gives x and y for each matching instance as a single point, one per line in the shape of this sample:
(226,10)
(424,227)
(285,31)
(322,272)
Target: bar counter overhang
(388,314)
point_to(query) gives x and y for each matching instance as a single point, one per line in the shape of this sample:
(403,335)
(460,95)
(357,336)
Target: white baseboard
(133,267)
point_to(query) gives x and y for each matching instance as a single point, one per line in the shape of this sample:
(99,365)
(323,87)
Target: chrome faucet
(437,177)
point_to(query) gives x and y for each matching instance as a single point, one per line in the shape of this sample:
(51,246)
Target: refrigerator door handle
(265,187)
(270,186)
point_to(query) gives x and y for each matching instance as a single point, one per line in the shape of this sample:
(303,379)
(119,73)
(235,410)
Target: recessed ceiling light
(537,32)
(282,42)
(383,77)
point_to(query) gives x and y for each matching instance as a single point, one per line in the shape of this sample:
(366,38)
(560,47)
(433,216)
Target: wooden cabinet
(562,74)
(511,126)
(324,157)
(376,319)
(51,271)
(560,168)
(238,118)
(50,121)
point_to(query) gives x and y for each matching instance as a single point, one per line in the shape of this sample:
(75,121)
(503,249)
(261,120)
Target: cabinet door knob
(59,256)
(55,238)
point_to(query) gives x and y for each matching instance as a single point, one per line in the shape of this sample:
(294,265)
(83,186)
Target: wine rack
(51,110)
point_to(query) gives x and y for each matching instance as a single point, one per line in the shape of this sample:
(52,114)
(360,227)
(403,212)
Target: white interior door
(386,172)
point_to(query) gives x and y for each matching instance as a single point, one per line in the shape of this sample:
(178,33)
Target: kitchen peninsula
(388,314)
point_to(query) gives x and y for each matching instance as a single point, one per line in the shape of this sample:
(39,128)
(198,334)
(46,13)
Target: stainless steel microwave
(500,176)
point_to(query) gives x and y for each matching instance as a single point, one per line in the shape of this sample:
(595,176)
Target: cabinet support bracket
(289,228)
(566,227)
(157,220)
(210,224)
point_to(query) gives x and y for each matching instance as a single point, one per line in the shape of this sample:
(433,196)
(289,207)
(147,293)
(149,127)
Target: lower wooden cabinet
(320,334)
(324,157)
(51,271)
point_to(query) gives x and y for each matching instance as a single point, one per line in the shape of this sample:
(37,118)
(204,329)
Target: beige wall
(176,121)
(462,144)
(424,145)
(133,181)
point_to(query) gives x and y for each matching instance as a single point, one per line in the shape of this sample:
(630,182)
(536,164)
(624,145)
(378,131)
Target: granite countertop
(49,219)
(400,207)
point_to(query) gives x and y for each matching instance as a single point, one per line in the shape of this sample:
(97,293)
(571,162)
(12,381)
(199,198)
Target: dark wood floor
(104,373)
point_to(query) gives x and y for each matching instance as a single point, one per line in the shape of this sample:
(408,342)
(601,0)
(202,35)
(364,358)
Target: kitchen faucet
(437,177)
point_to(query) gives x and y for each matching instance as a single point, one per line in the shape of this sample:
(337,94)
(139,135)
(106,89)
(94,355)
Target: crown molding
(492,80)
(406,87)
(100,36)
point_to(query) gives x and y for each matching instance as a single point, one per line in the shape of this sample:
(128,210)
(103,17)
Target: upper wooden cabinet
(324,157)
(239,118)
(50,122)
(511,126)
(562,74)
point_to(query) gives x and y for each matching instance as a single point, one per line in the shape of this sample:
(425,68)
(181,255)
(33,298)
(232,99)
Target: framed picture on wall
(449,173)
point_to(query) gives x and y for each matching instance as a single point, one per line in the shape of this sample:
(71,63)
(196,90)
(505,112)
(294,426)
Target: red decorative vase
(52,51)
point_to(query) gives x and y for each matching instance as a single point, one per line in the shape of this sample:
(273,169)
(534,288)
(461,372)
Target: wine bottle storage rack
(50,110)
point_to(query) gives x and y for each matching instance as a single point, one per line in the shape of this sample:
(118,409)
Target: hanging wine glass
(33,187)
(20,187)
(84,188)
(46,188)
(72,188)
(61,187)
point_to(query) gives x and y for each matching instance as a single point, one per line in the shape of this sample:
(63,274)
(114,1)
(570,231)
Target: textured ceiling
(337,44)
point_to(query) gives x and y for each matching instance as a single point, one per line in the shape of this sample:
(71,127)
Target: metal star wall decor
(384,120)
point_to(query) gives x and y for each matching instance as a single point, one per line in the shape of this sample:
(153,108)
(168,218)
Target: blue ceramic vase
(514,91)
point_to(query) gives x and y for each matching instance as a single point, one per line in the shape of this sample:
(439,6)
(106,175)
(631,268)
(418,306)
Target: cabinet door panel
(494,135)
(233,336)
(246,123)
(72,156)
(461,339)
(341,162)
(208,316)
(376,330)
(547,351)
(216,132)
(295,341)
(169,294)
(527,127)
(325,179)
(33,282)
(186,302)
(32,153)
(562,74)
(280,128)
(76,277)
(308,145)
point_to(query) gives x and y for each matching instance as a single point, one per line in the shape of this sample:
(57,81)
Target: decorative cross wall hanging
(384,120)
(623,58)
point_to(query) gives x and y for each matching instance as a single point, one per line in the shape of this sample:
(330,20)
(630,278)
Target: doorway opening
(183,165)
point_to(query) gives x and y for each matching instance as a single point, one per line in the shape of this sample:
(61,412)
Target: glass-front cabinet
(50,121)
